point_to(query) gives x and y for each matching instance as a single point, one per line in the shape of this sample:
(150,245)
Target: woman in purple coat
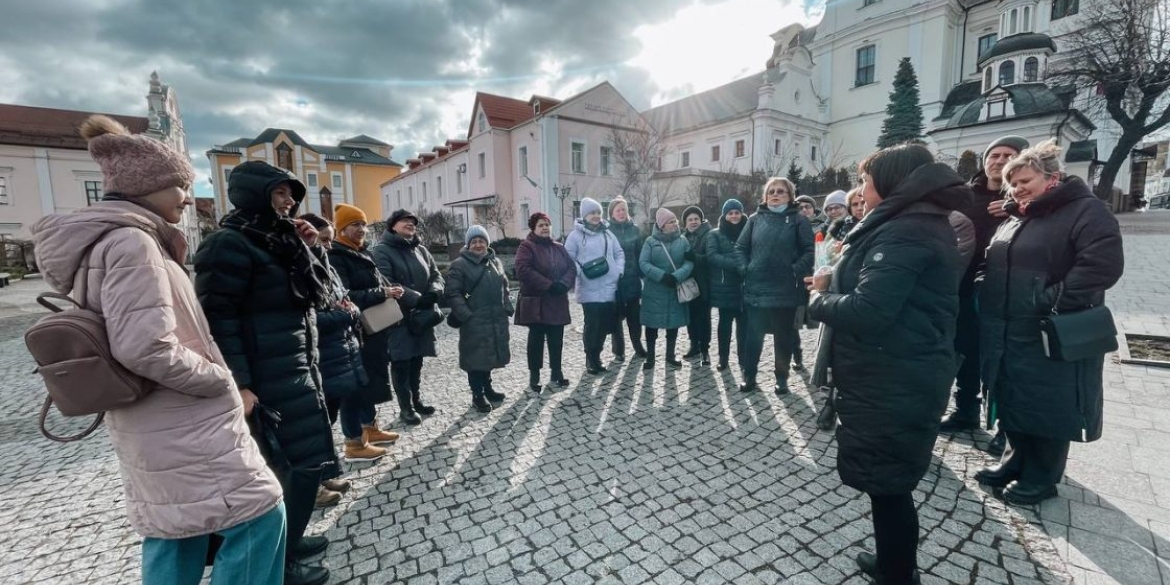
(546,273)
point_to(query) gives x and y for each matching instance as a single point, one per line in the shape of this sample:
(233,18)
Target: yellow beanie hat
(343,215)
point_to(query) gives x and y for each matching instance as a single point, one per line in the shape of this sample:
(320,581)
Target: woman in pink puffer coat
(189,466)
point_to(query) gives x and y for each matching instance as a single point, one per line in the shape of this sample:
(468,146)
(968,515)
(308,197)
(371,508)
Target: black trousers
(554,337)
(599,318)
(652,341)
(1035,460)
(895,534)
(778,321)
(968,384)
(629,312)
(699,326)
(729,318)
(407,378)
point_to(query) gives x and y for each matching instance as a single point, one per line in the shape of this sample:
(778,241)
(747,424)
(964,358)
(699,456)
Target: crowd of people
(919,281)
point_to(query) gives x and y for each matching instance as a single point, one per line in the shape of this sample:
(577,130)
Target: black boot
(749,384)
(867,562)
(996,476)
(558,378)
(401,379)
(1027,494)
(998,444)
(297,573)
(781,387)
(491,394)
(706,358)
(416,389)
(693,352)
(639,351)
(308,546)
(960,419)
(669,355)
(479,401)
(618,344)
(649,363)
(534,381)
(723,365)
(593,364)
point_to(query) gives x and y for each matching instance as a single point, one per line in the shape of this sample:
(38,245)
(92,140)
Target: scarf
(347,242)
(732,230)
(308,276)
(169,246)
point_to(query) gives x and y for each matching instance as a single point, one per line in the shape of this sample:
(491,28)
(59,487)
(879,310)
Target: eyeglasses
(777,191)
(805,206)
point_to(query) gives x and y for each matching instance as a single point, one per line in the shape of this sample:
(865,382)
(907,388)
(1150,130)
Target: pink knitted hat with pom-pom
(132,164)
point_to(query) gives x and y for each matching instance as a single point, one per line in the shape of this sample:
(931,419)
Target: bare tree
(831,155)
(639,151)
(499,216)
(1121,57)
(436,226)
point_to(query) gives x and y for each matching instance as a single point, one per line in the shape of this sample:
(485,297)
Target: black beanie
(693,210)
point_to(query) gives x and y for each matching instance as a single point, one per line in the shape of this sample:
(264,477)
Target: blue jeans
(252,553)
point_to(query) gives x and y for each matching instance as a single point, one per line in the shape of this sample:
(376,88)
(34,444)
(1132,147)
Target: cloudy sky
(403,71)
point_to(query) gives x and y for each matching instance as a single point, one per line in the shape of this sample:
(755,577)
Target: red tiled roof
(502,112)
(48,127)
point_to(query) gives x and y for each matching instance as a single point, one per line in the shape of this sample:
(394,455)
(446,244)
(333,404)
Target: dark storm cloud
(325,68)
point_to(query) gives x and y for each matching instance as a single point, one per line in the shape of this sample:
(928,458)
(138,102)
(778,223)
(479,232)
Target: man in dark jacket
(259,285)
(695,230)
(985,213)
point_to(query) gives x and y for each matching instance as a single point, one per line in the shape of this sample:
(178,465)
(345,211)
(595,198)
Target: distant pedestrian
(591,244)
(405,262)
(260,283)
(664,263)
(477,292)
(808,208)
(696,230)
(776,253)
(1058,253)
(726,279)
(189,468)
(629,291)
(889,311)
(546,274)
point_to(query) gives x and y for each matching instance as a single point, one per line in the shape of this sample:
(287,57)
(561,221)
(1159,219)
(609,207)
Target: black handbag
(1078,335)
(597,267)
(421,320)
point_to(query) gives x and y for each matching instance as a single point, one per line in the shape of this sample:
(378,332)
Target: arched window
(1013,28)
(1031,69)
(1007,73)
(987,79)
(1026,26)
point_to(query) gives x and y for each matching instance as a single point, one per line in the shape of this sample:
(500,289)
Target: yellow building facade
(350,172)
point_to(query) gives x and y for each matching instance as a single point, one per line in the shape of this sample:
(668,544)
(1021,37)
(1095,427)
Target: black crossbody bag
(1077,335)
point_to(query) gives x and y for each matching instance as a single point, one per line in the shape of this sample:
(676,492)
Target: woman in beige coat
(189,466)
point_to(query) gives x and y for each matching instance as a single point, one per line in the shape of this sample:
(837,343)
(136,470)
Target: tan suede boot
(359,450)
(375,436)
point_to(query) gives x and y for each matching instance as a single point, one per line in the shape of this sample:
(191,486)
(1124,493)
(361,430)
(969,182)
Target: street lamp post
(562,193)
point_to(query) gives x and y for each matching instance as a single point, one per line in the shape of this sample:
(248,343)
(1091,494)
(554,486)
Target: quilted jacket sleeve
(223,269)
(138,305)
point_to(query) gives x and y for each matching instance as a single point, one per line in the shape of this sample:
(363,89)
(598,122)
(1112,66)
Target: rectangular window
(523,156)
(739,149)
(715,153)
(336,181)
(866,59)
(227,175)
(410,195)
(482,159)
(93,192)
(400,199)
(523,216)
(686,160)
(424,192)
(985,43)
(578,157)
(311,179)
(778,148)
(812,153)
(4,191)
(459,182)
(439,187)
(605,161)
(1063,8)
(868,3)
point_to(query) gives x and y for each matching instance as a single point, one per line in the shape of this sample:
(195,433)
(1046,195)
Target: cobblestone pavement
(668,477)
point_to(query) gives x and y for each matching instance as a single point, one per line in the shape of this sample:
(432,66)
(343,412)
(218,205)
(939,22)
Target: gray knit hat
(476,231)
(1017,143)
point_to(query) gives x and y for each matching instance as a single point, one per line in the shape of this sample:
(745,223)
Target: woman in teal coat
(664,265)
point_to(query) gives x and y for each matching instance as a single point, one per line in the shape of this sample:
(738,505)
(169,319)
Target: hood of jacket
(63,239)
(251,183)
(663,237)
(477,258)
(699,232)
(579,224)
(1069,189)
(539,240)
(934,184)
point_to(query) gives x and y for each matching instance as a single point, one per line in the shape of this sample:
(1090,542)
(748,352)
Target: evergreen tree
(795,175)
(844,180)
(903,121)
(968,164)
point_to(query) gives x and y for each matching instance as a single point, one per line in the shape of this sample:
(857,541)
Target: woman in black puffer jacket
(1059,252)
(889,320)
(775,252)
(260,286)
(726,279)
(405,262)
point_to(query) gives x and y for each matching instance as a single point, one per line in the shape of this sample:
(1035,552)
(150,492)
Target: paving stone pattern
(669,477)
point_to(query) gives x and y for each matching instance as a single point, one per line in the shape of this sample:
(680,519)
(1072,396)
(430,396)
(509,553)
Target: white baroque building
(822,95)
